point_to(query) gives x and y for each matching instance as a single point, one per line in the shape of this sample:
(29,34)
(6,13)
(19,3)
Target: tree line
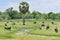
(14,14)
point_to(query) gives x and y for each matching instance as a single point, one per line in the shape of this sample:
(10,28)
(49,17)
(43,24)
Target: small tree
(23,8)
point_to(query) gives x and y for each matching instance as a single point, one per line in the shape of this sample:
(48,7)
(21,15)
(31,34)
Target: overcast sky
(39,5)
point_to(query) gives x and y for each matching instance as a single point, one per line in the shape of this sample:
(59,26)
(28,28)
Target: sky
(38,5)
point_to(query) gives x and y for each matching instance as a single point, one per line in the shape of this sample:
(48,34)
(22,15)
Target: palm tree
(23,8)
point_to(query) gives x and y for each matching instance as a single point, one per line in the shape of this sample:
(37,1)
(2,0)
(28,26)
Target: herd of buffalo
(47,27)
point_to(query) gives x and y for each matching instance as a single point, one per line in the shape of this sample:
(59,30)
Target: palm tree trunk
(23,17)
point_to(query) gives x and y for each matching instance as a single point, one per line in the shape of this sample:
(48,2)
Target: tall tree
(24,7)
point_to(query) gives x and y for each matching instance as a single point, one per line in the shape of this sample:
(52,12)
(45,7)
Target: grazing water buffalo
(40,28)
(52,22)
(42,21)
(56,29)
(7,21)
(47,27)
(7,28)
(35,22)
(43,24)
(5,24)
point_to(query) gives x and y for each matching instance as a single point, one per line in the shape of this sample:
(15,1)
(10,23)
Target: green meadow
(29,31)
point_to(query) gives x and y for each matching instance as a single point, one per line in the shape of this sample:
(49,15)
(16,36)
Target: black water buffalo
(7,28)
(43,24)
(40,28)
(5,24)
(42,21)
(34,22)
(56,29)
(47,27)
(52,22)
(7,21)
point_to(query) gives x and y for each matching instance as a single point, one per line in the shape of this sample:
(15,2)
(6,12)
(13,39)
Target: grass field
(34,34)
